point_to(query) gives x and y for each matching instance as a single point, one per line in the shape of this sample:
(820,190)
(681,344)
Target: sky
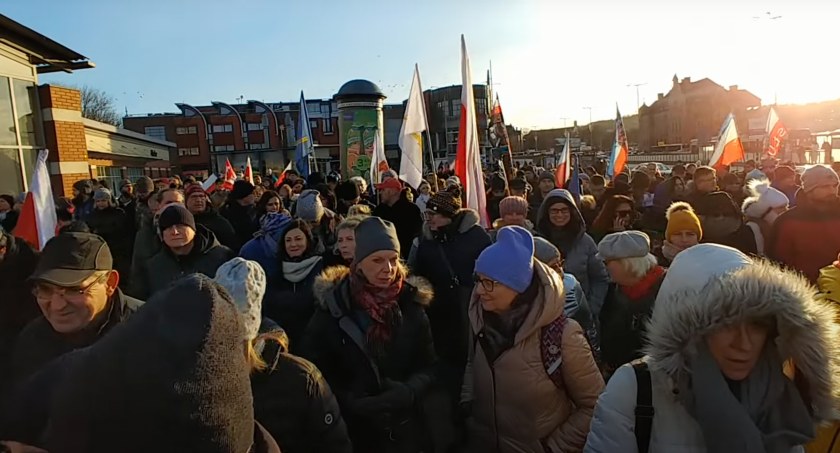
(551,59)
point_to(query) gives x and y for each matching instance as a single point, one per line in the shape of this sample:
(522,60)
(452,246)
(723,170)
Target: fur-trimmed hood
(463,221)
(332,277)
(710,286)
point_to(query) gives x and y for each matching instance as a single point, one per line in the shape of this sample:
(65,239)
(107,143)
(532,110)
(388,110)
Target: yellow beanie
(681,217)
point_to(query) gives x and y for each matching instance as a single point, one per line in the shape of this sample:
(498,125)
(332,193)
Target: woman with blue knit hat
(371,338)
(531,382)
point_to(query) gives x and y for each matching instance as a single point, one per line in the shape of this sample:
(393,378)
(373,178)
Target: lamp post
(637,85)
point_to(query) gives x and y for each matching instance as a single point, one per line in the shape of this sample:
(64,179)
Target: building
(206,136)
(691,114)
(34,117)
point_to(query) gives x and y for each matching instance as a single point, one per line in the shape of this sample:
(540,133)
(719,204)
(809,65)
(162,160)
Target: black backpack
(644,406)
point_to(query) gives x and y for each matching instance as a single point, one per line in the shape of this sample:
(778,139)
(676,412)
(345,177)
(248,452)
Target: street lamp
(637,85)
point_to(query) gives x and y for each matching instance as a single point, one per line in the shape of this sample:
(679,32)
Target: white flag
(378,162)
(411,135)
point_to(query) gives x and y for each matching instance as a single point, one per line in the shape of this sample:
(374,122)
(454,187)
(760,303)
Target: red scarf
(378,303)
(641,288)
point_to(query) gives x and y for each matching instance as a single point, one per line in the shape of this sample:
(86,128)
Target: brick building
(691,114)
(34,117)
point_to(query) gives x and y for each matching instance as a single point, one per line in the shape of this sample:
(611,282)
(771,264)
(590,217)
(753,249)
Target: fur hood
(332,277)
(464,220)
(710,286)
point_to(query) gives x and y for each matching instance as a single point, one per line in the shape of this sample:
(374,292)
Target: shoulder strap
(644,406)
(454,282)
(354,332)
(551,338)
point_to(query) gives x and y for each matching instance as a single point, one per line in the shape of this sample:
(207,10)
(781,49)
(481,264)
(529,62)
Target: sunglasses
(624,213)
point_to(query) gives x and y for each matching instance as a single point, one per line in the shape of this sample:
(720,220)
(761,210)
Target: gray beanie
(102,194)
(374,234)
(309,207)
(818,176)
(545,251)
(245,282)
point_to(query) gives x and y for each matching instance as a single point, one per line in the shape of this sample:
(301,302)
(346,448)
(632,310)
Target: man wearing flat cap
(76,289)
(635,280)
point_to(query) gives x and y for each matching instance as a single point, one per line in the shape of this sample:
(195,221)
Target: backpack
(644,406)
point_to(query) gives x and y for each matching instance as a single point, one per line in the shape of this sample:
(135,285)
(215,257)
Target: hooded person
(292,400)
(205,214)
(175,378)
(723,222)
(187,248)
(498,191)
(239,210)
(116,228)
(263,248)
(82,199)
(560,221)
(761,208)
(371,339)
(517,321)
(636,279)
(309,208)
(805,237)
(682,231)
(451,241)
(289,299)
(714,377)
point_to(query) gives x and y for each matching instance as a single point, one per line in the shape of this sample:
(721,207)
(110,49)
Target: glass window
(158,132)
(26,104)
(254,126)
(7,120)
(313,124)
(10,181)
(328,126)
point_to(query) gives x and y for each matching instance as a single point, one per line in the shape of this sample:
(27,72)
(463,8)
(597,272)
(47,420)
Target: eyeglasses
(556,211)
(45,291)
(486,283)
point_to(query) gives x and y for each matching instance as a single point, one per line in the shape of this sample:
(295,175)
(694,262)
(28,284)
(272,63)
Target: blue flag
(303,146)
(574,181)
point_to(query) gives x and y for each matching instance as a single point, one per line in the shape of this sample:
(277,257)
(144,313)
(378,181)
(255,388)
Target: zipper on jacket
(493,383)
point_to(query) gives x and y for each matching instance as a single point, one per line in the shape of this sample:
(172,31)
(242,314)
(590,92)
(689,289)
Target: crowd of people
(645,313)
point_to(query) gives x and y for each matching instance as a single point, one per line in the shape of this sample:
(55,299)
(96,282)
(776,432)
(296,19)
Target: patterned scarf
(379,303)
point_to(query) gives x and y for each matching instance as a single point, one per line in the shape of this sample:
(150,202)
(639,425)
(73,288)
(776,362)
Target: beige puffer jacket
(516,407)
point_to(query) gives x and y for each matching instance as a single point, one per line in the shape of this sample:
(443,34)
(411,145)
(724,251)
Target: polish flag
(564,167)
(776,131)
(37,222)
(230,176)
(468,158)
(249,173)
(728,148)
(209,185)
(282,176)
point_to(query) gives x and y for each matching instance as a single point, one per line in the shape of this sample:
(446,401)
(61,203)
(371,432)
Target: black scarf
(500,328)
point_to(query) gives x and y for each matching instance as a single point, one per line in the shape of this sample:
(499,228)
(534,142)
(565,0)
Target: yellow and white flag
(411,135)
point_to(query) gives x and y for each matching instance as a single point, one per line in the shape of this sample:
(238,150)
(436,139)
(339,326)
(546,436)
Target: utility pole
(637,85)
(590,125)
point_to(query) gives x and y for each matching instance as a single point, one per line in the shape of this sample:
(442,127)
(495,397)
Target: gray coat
(682,317)
(580,255)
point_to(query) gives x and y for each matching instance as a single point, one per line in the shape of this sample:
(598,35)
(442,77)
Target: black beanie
(498,183)
(175,214)
(241,189)
(347,190)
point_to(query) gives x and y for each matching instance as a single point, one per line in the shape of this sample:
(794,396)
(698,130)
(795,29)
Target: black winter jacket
(291,304)
(407,219)
(293,401)
(340,351)
(117,229)
(17,304)
(220,227)
(165,267)
(242,219)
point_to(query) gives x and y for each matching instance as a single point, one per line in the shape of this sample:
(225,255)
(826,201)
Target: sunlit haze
(551,59)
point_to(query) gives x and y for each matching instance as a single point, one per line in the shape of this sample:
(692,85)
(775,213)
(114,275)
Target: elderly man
(405,215)
(75,286)
(205,214)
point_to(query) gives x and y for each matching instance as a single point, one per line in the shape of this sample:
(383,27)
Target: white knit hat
(696,266)
(245,282)
(762,199)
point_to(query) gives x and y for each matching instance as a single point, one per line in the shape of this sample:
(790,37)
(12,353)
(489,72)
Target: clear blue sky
(551,58)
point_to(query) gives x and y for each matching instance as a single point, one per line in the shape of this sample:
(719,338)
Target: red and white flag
(468,158)
(230,176)
(209,185)
(249,173)
(37,222)
(776,131)
(282,177)
(564,167)
(728,148)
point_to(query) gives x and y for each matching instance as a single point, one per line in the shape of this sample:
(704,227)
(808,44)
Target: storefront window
(25,103)
(8,137)
(10,182)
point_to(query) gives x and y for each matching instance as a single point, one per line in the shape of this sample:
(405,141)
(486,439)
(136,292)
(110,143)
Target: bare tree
(99,106)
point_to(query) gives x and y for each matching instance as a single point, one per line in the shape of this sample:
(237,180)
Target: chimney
(659,96)
(733,87)
(686,80)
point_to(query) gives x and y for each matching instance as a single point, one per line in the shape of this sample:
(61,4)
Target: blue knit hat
(510,261)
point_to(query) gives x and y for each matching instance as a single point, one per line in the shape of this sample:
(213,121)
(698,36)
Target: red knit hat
(513,205)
